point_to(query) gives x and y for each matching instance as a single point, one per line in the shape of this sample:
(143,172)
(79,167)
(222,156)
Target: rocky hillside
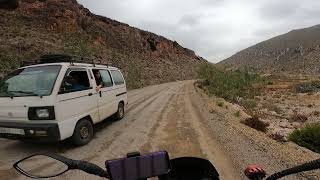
(39,27)
(297,52)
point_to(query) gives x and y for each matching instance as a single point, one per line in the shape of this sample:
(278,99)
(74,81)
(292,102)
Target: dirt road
(170,117)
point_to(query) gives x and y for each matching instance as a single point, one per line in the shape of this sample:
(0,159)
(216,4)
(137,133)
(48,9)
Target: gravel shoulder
(245,145)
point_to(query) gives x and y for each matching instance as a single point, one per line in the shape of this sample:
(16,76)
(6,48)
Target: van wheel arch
(83,132)
(121,111)
(87,118)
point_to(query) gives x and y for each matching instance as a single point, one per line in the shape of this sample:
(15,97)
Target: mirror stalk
(82,165)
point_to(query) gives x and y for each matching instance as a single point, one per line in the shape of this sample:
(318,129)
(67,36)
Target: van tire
(120,113)
(83,133)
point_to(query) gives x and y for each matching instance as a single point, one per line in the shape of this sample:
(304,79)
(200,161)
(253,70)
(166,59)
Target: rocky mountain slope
(297,52)
(39,27)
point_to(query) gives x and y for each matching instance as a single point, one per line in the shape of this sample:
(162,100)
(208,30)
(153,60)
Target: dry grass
(237,114)
(271,106)
(220,103)
(296,117)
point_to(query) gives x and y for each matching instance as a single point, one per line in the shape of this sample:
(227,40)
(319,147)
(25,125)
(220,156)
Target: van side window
(103,78)
(117,77)
(75,80)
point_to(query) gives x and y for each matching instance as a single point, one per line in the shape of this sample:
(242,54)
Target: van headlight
(41,113)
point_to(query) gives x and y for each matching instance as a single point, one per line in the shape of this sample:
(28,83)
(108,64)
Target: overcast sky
(214,29)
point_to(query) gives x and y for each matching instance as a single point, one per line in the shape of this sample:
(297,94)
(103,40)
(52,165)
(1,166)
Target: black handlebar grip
(312,165)
(91,169)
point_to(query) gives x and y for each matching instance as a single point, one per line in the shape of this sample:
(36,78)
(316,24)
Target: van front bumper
(27,131)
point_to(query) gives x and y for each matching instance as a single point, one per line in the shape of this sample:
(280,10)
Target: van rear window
(117,77)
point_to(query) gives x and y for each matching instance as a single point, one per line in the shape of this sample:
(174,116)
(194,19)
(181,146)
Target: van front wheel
(120,113)
(83,133)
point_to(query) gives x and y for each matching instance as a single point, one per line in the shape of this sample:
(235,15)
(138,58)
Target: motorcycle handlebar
(82,165)
(91,168)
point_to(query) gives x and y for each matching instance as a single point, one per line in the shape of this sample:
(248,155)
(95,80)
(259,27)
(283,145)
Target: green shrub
(276,96)
(296,117)
(229,84)
(237,114)
(80,45)
(308,137)
(308,87)
(271,106)
(8,63)
(270,83)
(249,104)
(134,76)
(220,104)
(255,123)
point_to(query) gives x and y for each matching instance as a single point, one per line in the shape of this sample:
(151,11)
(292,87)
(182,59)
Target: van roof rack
(59,58)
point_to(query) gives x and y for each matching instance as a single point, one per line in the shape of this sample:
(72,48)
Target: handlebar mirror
(41,166)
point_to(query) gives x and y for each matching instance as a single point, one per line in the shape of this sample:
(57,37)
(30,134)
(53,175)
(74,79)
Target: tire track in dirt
(180,131)
(133,112)
(147,147)
(208,145)
(145,97)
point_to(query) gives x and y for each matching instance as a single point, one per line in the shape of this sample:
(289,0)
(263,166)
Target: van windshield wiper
(25,92)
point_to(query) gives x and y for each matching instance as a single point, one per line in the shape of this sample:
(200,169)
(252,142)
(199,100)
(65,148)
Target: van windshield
(31,81)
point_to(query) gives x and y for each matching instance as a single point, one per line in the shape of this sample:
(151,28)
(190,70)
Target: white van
(58,98)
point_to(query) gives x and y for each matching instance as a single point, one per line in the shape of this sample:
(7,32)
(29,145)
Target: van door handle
(90,94)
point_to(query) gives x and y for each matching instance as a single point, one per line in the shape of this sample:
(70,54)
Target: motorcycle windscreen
(139,167)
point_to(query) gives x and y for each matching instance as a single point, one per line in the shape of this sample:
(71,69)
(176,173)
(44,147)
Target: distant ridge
(296,52)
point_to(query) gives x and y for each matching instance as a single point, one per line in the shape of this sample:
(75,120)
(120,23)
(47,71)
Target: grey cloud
(214,29)
(190,20)
(278,10)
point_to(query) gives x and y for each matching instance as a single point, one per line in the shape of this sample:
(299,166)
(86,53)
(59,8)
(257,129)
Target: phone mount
(135,154)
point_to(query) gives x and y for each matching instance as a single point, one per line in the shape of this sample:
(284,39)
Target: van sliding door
(106,102)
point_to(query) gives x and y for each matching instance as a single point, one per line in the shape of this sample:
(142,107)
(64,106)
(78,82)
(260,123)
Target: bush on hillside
(229,84)
(308,137)
(308,87)
(8,63)
(256,123)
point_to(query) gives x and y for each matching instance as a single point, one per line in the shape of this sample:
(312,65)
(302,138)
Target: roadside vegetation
(308,136)
(279,107)
(228,84)
(236,86)
(256,123)
(308,87)
(8,63)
